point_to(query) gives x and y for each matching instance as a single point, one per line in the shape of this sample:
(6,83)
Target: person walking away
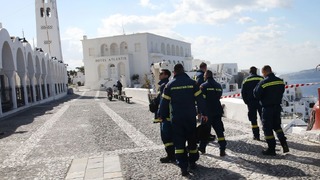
(181,93)
(269,92)
(199,78)
(119,86)
(165,124)
(252,103)
(212,92)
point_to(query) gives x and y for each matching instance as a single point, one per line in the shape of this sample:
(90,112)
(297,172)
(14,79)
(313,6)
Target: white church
(32,75)
(109,59)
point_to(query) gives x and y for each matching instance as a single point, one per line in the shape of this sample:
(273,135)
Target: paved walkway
(86,136)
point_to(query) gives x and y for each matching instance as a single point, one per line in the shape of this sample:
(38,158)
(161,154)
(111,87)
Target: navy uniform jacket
(270,91)
(162,84)
(181,93)
(212,92)
(199,77)
(247,88)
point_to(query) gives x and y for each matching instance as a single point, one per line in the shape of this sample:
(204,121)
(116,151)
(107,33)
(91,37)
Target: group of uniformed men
(182,99)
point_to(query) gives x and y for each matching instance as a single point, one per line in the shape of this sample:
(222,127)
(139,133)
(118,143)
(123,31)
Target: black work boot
(285,147)
(193,166)
(168,160)
(222,152)
(202,150)
(184,172)
(256,138)
(269,152)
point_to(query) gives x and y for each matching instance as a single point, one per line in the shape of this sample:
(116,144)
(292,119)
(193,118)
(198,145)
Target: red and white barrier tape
(287,86)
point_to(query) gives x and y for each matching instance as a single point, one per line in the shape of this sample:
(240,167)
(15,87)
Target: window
(48,12)
(104,50)
(137,47)
(163,49)
(114,49)
(168,49)
(123,48)
(91,51)
(41,12)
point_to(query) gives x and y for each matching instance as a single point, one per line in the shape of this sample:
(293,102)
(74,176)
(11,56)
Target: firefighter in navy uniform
(212,92)
(181,93)
(252,103)
(269,92)
(165,124)
(199,78)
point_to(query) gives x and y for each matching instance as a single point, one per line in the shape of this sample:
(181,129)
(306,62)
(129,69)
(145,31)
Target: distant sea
(301,77)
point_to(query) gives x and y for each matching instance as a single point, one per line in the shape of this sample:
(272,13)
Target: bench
(125,98)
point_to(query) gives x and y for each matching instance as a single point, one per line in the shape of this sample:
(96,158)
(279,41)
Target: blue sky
(282,33)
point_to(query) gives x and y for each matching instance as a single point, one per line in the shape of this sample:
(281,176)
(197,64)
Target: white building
(109,59)
(27,76)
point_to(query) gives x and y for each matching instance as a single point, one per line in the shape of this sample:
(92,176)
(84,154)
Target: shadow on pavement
(303,160)
(278,170)
(302,147)
(203,172)
(9,125)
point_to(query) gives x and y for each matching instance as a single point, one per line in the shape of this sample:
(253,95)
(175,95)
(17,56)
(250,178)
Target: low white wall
(139,94)
(236,109)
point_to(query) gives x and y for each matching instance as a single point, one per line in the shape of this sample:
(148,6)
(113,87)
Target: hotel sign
(121,58)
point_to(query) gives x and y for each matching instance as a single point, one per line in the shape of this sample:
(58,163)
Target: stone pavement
(97,167)
(86,136)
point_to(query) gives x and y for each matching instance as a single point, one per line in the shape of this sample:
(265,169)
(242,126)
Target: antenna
(123,30)
(22,33)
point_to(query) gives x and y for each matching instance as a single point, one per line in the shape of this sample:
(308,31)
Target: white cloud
(257,45)
(146,3)
(72,46)
(244,20)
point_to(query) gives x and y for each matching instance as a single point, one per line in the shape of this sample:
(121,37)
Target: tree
(80,69)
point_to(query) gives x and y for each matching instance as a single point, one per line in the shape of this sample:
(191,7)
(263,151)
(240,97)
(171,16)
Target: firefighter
(199,78)
(269,92)
(212,92)
(165,125)
(181,93)
(252,103)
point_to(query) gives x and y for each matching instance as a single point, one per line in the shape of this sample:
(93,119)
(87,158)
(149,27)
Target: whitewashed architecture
(47,25)
(109,59)
(27,76)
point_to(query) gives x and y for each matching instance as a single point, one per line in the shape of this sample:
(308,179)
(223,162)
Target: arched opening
(177,51)
(19,78)
(104,50)
(168,49)
(30,68)
(173,50)
(181,51)
(44,73)
(6,87)
(38,80)
(114,50)
(102,73)
(112,72)
(121,69)
(123,48)
(163,48)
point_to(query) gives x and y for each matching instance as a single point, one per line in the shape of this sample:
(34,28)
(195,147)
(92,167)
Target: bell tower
(48,32)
